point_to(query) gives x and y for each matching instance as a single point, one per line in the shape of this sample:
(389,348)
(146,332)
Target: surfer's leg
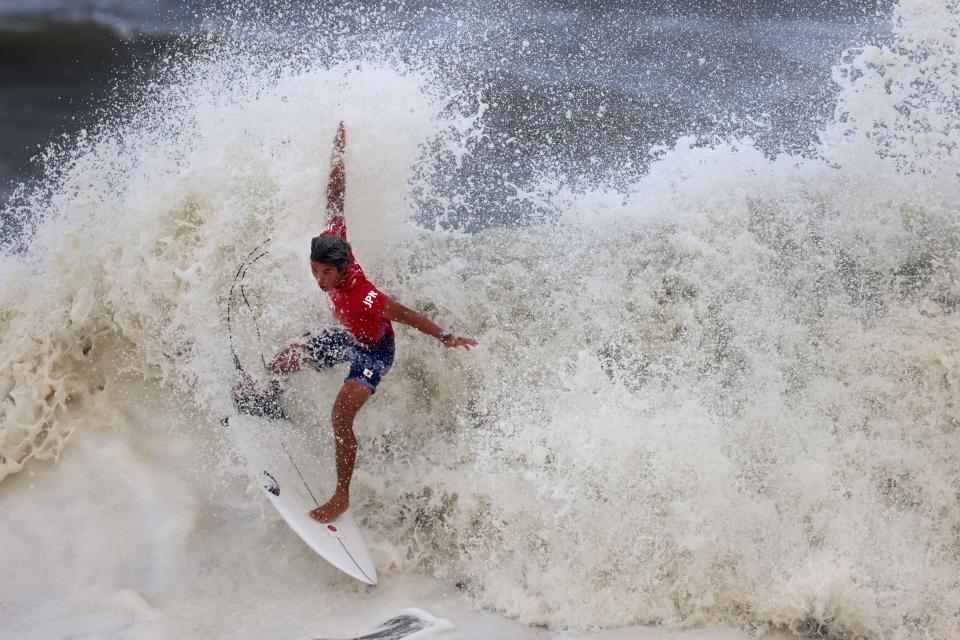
(290,359)
(352,396)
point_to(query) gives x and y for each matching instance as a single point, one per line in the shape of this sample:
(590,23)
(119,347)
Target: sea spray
(724,393)
(729,395)
(138,227)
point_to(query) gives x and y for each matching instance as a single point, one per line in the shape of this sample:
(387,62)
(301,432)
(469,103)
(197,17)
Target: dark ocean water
(590,85)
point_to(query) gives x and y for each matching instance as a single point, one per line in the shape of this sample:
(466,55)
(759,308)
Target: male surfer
(364,339)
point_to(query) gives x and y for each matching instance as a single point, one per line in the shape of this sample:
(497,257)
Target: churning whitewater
(724,394)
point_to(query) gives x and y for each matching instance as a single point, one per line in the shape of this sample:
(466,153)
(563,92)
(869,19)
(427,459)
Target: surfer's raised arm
(337,184)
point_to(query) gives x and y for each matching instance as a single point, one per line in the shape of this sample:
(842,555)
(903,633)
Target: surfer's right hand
(452,342)
(339,144)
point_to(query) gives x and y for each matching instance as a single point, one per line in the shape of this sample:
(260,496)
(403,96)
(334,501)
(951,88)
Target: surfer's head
(329,257)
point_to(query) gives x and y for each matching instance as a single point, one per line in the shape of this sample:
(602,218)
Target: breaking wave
(725,393)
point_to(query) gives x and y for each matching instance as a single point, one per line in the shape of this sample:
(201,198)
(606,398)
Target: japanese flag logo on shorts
(367,373)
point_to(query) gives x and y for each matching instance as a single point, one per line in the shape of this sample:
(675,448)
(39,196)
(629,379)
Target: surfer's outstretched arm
(336,185)
(395,311)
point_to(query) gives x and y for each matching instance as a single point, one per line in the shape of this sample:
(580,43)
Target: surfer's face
(326,275)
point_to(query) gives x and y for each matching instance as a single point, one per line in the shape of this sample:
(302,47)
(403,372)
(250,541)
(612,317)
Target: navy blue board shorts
(368,363)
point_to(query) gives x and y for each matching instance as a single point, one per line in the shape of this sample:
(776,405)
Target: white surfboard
(291,482)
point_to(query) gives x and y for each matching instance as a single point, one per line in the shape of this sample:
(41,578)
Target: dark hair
(331,250)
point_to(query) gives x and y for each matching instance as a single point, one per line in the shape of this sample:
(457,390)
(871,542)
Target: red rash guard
(356,303)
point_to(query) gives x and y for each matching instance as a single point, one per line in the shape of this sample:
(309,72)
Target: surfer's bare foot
(332,510)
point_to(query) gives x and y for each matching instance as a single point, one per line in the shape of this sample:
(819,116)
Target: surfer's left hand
(458,341)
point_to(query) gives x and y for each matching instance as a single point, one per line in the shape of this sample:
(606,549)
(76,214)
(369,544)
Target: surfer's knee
(342,423)
(290,360)
(352,396)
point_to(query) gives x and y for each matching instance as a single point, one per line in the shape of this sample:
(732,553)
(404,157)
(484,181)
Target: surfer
(364,339)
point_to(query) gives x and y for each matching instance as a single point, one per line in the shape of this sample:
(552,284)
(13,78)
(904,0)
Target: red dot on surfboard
(331,527)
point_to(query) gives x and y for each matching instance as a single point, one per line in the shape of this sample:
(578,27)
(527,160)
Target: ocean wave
(721,393)
(121,17)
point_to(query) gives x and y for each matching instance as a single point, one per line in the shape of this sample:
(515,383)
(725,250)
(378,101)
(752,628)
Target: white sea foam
(727,395)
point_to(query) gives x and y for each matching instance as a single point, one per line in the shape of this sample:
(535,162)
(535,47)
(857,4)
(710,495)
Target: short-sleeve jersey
(356,303)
